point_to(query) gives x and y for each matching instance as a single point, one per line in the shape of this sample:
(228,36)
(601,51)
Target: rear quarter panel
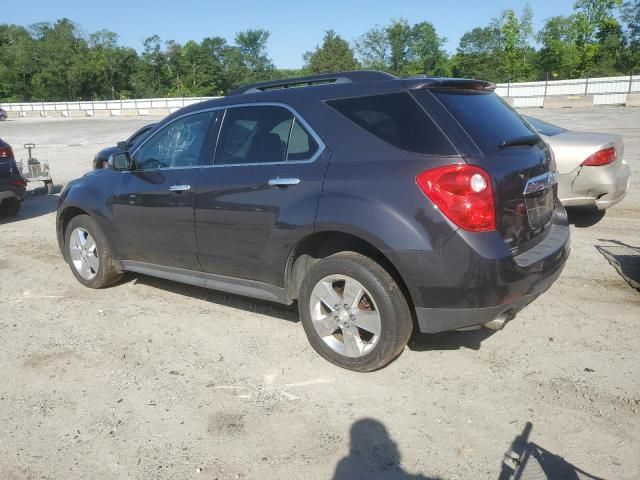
(379,202)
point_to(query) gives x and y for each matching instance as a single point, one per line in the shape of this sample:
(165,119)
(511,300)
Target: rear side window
(262,134)
(301,145)
(397,119)
(486,118)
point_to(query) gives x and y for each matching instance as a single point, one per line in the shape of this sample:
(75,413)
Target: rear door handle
(283,182)
(179,188)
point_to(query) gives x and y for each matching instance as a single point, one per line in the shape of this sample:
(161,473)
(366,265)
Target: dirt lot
(152,379)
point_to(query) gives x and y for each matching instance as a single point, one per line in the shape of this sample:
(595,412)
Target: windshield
(488,120)
(544,128)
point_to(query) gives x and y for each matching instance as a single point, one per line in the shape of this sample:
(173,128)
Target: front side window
(262,134)
(177,145)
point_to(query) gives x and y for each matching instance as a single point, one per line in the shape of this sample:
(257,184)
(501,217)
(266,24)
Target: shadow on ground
(624,258)
(372,455)
(526,460)
(419,342)
(584,217)
(282,312)
(471,339)
(36,204)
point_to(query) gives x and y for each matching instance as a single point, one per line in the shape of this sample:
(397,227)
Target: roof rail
(326,78)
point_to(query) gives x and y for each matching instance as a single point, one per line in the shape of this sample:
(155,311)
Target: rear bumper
(13,192)
(433,320)
(473,278)
(600,187)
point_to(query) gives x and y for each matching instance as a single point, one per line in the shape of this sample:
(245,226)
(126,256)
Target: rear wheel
(9,207)
(89,254)
(353,312)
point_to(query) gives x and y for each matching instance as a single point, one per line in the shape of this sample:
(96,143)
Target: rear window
(544,128)
(397,119)
(486,118)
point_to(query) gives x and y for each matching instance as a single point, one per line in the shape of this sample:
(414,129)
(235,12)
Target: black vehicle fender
(89,197)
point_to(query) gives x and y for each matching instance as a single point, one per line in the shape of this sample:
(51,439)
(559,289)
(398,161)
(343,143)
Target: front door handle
(283,182)
(179,188)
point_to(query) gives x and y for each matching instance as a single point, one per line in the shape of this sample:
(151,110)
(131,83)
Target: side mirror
(120,161)
(123,144)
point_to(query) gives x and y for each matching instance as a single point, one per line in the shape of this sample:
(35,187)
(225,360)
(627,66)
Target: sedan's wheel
(88,253)
(353,312)
(83,253)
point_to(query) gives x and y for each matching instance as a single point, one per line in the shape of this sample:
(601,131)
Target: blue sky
(295,26)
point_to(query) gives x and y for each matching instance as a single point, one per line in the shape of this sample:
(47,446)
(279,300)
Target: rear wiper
(529,140)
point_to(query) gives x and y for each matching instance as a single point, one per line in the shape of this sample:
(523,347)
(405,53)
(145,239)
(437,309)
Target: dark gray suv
(378,204)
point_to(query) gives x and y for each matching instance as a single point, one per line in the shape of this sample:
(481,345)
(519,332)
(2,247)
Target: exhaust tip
(499,322)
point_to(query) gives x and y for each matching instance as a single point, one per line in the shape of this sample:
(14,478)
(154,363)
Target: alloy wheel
(84,253)
(345,315)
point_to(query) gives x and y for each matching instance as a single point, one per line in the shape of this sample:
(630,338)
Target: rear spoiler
(422,81)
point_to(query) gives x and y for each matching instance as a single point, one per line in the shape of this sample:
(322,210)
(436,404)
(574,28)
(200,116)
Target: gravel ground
(153,379)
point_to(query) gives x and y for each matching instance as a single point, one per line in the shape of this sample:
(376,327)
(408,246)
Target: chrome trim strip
(541,182)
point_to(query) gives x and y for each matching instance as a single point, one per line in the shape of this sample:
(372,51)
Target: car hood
(572,148)
(105,152)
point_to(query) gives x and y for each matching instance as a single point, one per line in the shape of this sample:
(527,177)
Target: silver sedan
(591,166)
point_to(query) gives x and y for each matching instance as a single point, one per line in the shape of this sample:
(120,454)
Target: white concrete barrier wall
(114,107)
(605,91)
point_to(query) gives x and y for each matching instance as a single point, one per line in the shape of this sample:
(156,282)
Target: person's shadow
(372,455)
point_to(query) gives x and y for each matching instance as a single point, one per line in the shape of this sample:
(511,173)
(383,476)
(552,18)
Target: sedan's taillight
(601,157)
(20,182)
(463,193)
(6,152)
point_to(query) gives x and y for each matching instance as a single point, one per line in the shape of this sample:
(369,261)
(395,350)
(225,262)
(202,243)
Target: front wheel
(353,312)
(89,254)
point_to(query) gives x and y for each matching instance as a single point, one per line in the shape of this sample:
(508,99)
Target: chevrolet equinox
(377,203)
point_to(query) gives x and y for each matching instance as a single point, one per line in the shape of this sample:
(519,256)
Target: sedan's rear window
(544,128)
(485,117)
(397,119)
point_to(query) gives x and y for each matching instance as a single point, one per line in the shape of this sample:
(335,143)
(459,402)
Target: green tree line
(55,61)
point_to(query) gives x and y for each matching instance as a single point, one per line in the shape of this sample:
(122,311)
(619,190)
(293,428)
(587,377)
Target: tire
(381,296)
(97,274)
(9,207)
(49,185)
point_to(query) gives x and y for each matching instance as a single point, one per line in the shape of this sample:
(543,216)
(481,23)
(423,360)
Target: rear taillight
(20,182)
(463,193)
(602,157)
(6,152)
